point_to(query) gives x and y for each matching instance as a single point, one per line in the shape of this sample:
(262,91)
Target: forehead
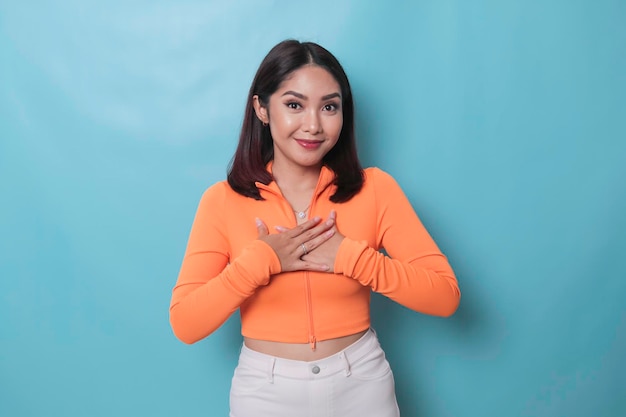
(311,78)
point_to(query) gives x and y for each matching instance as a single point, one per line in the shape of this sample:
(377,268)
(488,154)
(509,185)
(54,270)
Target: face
(305,117)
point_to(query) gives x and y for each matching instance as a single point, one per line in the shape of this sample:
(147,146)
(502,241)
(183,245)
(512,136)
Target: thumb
(261,227)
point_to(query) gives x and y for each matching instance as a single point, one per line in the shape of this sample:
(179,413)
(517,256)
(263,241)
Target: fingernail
(258,221)
(317,218)
(329,222)
(330,232)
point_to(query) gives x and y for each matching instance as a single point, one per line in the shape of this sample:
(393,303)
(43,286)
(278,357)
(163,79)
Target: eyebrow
(303,97)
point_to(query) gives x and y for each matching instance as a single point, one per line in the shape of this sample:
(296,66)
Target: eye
(293,105)
(331,107)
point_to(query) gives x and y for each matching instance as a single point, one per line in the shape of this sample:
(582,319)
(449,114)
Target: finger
(309,224)
(317,241)
(303,249)
(333,216)
(281,229)
(311,266)
(315,231)
(261,227)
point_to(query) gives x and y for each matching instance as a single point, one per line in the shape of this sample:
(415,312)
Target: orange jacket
(226,267)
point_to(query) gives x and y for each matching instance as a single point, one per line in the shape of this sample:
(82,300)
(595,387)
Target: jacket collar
(325,180)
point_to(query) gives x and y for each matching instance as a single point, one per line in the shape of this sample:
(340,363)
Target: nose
(312,123)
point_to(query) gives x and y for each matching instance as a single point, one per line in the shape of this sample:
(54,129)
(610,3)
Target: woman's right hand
(291,244)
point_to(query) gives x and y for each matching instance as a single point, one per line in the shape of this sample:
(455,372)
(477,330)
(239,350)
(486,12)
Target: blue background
(504,122)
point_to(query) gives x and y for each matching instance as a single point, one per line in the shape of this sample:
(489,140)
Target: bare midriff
(303,351)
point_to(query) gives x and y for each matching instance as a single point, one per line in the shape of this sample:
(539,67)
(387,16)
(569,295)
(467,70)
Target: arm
(415,274)
(209,288)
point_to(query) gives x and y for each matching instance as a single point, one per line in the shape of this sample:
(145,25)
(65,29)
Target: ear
(260,110)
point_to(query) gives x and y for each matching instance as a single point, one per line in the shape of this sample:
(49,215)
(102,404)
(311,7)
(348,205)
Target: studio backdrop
(503,121)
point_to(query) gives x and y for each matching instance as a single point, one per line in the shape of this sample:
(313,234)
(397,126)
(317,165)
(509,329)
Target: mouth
(309,144)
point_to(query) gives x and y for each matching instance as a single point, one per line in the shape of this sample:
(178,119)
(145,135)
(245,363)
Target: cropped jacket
(226,267)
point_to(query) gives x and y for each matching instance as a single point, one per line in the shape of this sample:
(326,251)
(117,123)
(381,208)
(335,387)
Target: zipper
(307,285)
(309,308)
(273,188)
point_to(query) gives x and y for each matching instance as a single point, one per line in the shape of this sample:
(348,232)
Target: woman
(292,240)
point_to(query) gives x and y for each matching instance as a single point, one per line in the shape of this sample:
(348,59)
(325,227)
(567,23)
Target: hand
(292,244)
(326,252)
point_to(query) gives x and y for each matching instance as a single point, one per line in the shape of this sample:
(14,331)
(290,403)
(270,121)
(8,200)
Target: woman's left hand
(325,253)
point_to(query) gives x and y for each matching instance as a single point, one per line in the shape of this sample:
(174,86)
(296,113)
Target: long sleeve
(210,285)
(415,273)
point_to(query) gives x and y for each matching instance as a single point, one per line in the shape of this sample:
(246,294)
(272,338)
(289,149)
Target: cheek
(335,127)
(285,124)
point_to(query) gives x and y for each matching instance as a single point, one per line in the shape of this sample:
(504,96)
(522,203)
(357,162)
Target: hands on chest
(310,246)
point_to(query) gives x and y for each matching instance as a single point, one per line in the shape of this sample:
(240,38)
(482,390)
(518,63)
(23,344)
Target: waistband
(339,362)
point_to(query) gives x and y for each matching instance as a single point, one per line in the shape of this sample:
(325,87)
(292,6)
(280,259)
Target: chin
(311,162)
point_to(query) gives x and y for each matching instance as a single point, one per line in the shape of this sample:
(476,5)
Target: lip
(309,144)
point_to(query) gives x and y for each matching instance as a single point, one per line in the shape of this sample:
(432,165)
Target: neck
(295,179)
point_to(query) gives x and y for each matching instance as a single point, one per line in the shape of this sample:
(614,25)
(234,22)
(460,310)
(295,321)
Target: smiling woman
(305,124)
(303,290)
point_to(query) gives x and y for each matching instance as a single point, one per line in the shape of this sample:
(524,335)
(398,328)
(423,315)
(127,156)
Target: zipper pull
(313,343)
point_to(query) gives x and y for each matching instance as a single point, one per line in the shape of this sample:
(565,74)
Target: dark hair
(255,148)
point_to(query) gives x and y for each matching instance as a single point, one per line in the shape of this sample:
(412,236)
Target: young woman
(292,240)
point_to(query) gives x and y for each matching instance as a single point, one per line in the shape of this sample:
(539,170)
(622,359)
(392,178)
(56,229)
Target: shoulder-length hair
(255,148)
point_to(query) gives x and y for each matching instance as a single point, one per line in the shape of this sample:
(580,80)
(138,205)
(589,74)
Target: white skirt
(354,382)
